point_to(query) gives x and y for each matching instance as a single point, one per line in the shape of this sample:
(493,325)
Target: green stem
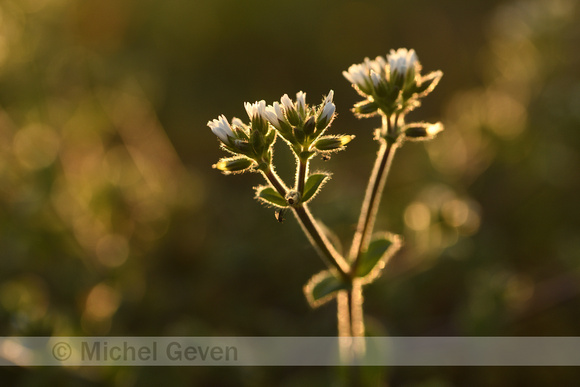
(276,182)
(317,238)
(366,224)
(373,196)
(301,175)
(321,244)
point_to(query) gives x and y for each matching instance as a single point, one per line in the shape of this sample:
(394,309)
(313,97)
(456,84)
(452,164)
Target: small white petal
(278,111)
(329,97)
(376,78)
(402,60)
(237,122)
(412,58)
(300,101)
(261,108)
(348,76)
(249,109)
(271,116)
(328,111)
(287,102)
(221,128)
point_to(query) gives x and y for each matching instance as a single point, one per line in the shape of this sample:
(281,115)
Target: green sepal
(299,135)
(270,138)
(270,196)
(372,261)
(428,83)
(313,184)
(309,126)
(323,287)
(293,117)
(257,142)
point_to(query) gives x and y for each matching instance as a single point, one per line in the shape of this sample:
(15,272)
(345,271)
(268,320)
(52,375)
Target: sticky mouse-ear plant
(391,87)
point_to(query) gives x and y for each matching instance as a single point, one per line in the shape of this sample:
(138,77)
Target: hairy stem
(276,182)
(366,223)
(320,242)
(317,238)
(373,196)
(301,175)
(350,321)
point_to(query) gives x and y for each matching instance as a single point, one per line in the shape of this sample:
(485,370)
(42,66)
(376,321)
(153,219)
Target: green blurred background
(112,221)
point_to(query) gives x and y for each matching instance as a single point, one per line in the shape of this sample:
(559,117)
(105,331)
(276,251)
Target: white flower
(327,113)
(221,128)
(301,102)
(275,115)
(256,110)
(379,66)
(329,97)
(238,123)
(402,60)
(376,78)
(358,74)
(287,102)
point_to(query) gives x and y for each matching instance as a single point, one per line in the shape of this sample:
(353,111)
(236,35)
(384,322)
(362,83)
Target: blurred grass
(112,221)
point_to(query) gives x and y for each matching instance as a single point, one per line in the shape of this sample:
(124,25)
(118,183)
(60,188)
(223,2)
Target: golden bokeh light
(36,146)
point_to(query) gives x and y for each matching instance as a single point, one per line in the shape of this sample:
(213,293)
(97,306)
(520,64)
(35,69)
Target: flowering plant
(391,87)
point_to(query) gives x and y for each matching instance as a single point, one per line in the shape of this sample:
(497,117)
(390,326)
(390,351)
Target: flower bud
(331,143)
(365,108)
(222,129)
(233,164)
(422,131)
(301,103)
(325,116)
(242,146)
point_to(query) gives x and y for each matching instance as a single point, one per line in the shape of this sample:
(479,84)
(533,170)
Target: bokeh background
(112,221)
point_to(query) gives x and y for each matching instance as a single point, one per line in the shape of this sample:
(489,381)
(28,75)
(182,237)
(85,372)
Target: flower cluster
(301,125)
(250,143)
(391,85)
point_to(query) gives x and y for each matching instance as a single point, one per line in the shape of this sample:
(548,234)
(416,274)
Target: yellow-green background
(112,221)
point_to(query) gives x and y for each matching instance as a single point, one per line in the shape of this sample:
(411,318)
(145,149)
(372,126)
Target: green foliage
(270,196)
(376,256)
(313,185)
(323,287)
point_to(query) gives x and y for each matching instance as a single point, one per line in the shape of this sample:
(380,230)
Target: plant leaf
(313,184)
(269,195)
(323,287)
(376,256)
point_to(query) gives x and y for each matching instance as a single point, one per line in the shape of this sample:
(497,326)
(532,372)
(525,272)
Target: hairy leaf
(375,257)
(323,287)
(313,184)
(269,195)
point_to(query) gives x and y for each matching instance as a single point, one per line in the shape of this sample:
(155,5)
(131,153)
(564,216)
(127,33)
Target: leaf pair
(270,196)
(325,285)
